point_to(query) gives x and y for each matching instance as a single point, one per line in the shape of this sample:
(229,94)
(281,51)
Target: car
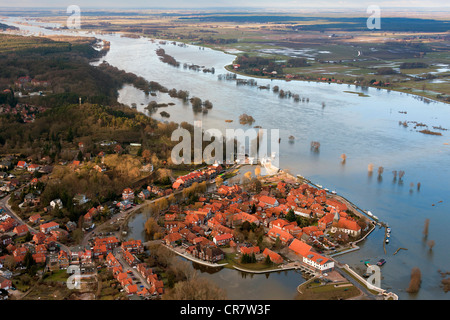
(381,262)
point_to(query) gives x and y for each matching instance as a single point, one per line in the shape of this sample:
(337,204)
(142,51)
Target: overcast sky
(110,4)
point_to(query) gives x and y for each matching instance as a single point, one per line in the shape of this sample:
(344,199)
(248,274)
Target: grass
(232,262)
(358,93)
(56,276)
(317,291)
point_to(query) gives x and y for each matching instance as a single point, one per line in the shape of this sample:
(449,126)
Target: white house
(318,262)
(56,202)
(80,199)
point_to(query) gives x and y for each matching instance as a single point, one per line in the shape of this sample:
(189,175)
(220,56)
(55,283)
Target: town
(209,216)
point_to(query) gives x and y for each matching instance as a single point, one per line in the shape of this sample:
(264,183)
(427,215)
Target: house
(112,261)
(172,238)
(21,230)
(21,165)
(213,254)
(33,167)
(310,258)
(273,256)
(319,262)
(35,218)
(56,203)
(131,289)
(89,216)
(278,223)
(80,199)
(129,258)
(109,242)
(223,239)
(100,167)
(5,283)
(326,221)
(300,247)
(268,201)
(144,194)
(249,250)
(39,258)
(134,246)
(5,240)
(347,226)
(128,194)
(276,233)
(47,227)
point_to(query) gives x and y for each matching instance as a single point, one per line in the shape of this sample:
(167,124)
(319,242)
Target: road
(7,207)
(126,268)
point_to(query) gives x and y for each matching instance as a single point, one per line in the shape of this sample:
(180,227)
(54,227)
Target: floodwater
(365,128)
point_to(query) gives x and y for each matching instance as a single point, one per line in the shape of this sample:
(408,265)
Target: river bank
(408,91)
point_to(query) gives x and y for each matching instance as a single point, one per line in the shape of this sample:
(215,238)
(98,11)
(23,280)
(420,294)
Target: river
(365,128)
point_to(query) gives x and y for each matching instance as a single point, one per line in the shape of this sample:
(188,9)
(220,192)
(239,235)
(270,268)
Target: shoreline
(227,68)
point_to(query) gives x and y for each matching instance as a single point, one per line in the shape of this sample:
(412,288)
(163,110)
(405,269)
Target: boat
(387,240)
(375,217)
(333,192)
(388,230)
(370,213)
(381,262)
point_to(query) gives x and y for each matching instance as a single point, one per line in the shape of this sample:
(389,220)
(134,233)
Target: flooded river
(366,128)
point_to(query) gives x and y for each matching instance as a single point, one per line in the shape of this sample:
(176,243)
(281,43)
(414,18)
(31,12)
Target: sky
(294,4)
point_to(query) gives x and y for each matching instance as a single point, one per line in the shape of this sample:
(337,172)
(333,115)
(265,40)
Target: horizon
(260,5)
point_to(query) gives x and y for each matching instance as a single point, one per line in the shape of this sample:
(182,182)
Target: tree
(425,229)
(10,262)
(146,155)
(28,237)
(416,279)
(219,181)
(195,289)
(290,216)
(151,227)
(431,244)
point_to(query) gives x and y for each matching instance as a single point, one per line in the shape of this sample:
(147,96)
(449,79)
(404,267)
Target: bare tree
(395,174)
(425,229)
(315,145)
(431,244)
(195,288)
(370,169)
(416,279)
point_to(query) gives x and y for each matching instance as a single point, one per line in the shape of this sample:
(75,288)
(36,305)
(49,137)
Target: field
(338,47)
(320,291)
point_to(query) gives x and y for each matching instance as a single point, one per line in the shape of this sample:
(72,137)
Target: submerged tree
(370,169)
(315,145)
(431,244)
(416,279)
(425,229)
